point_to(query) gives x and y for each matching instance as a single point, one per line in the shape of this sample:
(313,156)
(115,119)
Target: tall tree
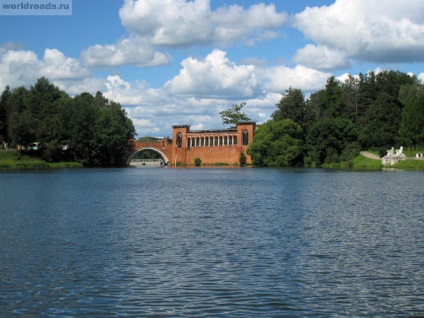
(411,128)
(382,125)
(234,115)
(333,98)
(4,115)
(291,106)
(329,138)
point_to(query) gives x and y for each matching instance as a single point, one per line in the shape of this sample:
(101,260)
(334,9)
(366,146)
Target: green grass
(409,165)
(12,159)
(359,162)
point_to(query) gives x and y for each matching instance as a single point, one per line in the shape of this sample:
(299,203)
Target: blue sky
(174,62)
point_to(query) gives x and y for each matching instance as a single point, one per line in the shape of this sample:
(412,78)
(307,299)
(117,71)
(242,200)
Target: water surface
(229,242)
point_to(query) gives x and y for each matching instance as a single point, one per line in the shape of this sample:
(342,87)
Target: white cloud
(20,67)
(130,51)
(369,30)
(281,78)
(57,66)
(215,76)
(184,23)
(322,58)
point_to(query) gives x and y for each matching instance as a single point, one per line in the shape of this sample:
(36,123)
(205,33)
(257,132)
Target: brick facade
(210,146)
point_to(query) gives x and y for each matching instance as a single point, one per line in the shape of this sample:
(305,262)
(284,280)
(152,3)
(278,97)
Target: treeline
(371,111)
(88,129)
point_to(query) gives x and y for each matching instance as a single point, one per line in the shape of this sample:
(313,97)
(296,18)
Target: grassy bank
(13,159)
(364,163)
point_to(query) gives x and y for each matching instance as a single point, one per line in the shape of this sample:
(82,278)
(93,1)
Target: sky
(181,62)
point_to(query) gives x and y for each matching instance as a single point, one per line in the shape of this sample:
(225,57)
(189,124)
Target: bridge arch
(160,153)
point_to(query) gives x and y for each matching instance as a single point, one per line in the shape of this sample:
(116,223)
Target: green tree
(328,139)
(112,130)
(277,143)
(411,128)
(4,115)
(234,115)
(291,106)
(382,125)
(18,131)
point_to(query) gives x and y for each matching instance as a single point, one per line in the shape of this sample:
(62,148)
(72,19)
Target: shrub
(197,162)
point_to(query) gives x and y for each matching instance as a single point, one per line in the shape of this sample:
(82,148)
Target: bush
(243,159)
(197,162)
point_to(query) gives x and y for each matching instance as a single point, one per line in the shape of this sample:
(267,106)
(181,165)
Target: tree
(329,138)
(382,125)
(333,98)
(291,106)
(234,115)
(4,114)
(411,127)
(112,130)
(277,143)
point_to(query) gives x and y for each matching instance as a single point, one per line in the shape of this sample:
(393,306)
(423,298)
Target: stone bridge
(163,147)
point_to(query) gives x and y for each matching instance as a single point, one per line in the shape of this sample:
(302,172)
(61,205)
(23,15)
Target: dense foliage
(87,129)
(368,111)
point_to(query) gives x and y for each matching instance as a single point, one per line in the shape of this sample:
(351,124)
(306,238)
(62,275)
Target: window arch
(245,141)
(179,140)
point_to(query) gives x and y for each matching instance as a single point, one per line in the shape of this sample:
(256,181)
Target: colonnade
(209,141)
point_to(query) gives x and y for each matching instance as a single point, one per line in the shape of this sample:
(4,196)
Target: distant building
(212,146)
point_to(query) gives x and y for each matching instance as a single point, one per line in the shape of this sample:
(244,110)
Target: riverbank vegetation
(331,126)
(14,159)
(46,123)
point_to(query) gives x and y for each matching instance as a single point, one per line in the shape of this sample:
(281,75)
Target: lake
(211,242)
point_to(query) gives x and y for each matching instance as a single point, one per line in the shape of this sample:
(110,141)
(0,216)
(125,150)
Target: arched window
(245,138)
(230,140)
(225,140)
(197,142)
(179,140)
(220,140)
(188,142)
(193,142)
(207,141)
(216,141)
(235,140)
(202,141)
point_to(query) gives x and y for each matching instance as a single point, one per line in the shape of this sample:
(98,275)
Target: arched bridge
(163,147)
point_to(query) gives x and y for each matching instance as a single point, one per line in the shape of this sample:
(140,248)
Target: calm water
(164,242)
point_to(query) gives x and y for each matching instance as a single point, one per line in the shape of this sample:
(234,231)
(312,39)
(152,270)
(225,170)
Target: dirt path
(370,155)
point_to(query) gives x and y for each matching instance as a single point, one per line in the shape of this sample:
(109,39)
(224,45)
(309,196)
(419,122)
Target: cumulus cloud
(177,23)
(129,51)
(368,30)
(281,78)
(57,66)
(21,67)
(216,75)
(322,58)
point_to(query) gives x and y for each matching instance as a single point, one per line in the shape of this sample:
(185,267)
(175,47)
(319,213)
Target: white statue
(390,152)
(399,152)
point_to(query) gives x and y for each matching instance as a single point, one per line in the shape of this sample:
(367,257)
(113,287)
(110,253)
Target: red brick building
(211,146)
